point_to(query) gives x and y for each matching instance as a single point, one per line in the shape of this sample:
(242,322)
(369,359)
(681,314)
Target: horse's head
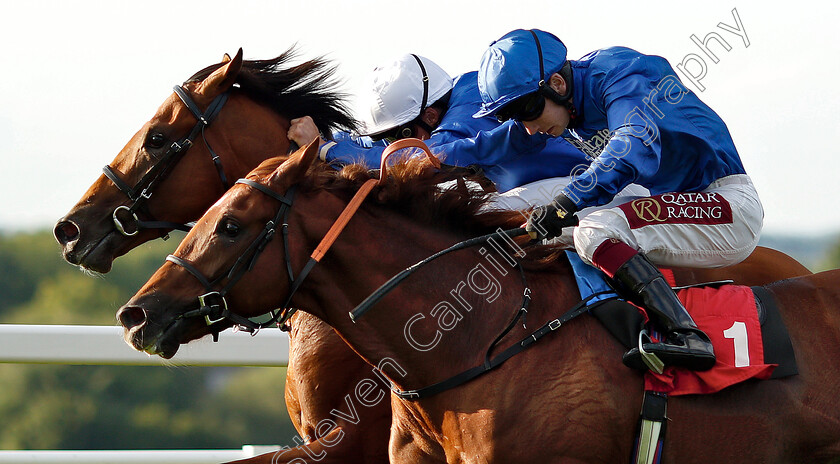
(167,311)
(104,224)
(206,134)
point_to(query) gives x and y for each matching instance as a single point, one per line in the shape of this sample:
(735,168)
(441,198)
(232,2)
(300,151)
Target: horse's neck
(439,321)
(243,154)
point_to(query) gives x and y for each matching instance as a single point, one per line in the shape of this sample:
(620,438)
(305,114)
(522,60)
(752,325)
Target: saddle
(743,323)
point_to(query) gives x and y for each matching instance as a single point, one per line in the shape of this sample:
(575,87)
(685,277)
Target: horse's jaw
(90,255)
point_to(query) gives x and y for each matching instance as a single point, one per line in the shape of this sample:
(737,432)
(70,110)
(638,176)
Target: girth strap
(651,429)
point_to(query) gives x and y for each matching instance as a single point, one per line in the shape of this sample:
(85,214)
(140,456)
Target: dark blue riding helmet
(510,68)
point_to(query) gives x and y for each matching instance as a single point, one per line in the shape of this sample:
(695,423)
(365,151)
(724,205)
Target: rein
(520,346)
(213,306)
(489,363)
(142,190)
(392,283)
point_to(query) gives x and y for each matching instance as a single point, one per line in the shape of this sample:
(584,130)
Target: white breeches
(719,226)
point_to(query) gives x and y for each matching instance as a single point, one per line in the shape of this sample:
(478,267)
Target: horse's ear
(223,78)
(294,168)
(225,58)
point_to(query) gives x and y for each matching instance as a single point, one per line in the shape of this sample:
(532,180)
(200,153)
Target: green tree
(118,407)
(69,299)
(25,259)
(121,407)
(42,288)
(832,259)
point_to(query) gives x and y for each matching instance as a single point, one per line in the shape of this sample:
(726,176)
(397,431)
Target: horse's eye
(229,228)
(155,140)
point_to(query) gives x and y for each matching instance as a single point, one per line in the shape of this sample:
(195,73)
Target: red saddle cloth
(728,316)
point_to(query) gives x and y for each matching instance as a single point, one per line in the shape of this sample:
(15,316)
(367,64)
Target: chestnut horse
(247,129)
(567,402)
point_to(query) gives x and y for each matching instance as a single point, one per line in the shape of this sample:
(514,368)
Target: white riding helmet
(401,90)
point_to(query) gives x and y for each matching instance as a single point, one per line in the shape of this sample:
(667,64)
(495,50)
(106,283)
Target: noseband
(142,191)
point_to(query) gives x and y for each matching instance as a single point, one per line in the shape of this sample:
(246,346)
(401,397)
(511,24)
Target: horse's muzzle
(131,317)
(66,232)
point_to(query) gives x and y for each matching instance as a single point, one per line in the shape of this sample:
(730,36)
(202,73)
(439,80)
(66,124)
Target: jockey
(643,126)
(413,97)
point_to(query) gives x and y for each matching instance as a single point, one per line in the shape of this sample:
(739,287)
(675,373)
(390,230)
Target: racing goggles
(525,108)
(397,133)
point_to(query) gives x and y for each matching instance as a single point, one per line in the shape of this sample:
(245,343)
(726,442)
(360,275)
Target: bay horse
(263,96)
(250,127)
(569,401)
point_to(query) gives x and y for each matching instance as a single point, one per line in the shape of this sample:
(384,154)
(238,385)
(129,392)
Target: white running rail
(85,344)
(133,456)
(103,345)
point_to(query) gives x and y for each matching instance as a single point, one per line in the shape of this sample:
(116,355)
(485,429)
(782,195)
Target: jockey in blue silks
(413,97)
(642,126)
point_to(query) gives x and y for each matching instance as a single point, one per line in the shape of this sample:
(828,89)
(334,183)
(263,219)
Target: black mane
(306,89)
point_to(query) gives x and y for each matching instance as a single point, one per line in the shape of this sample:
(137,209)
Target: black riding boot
(684,345)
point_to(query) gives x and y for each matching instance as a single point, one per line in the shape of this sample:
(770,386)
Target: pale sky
(80,77)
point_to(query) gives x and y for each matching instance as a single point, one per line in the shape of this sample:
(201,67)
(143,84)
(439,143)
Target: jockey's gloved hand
(548,221)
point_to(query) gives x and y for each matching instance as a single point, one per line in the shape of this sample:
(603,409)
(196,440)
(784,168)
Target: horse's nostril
(66,232)
(131,316)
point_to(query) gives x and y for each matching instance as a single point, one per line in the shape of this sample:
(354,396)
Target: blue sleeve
(347,149)
(486,148)
(633,152)
(490,147)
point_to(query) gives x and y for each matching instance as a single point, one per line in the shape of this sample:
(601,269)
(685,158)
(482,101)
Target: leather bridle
(142,190)
(212,304)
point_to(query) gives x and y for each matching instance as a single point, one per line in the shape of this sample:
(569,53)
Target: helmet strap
(419,119)
(546,90)
(425,83)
